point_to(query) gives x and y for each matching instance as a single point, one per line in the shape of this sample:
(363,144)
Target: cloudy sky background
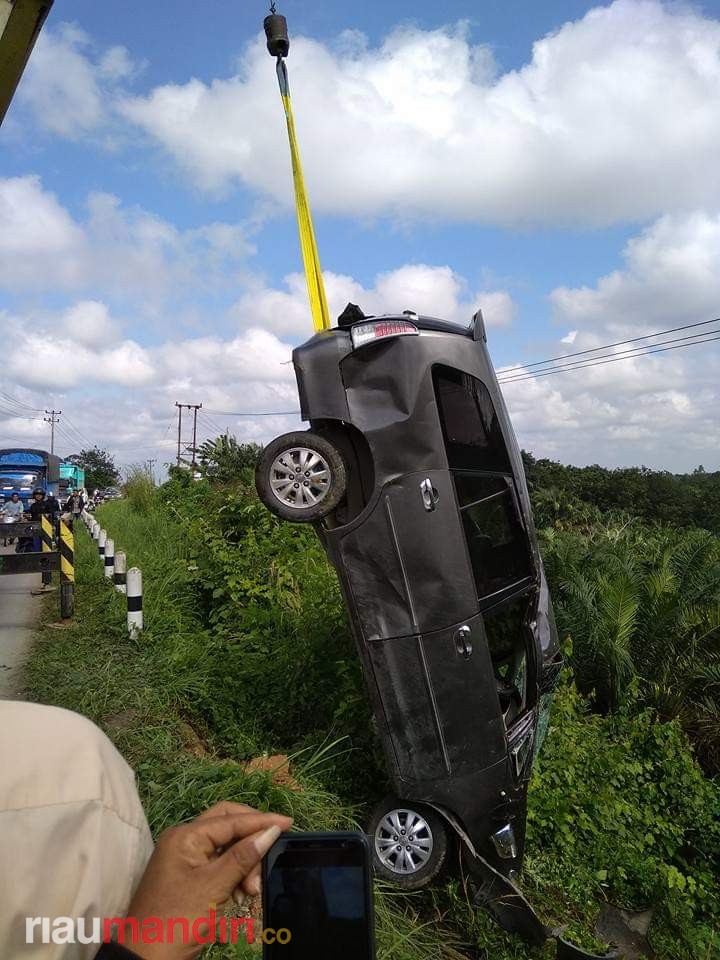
(559,167)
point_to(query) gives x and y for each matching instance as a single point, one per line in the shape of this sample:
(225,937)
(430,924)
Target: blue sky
(555,163)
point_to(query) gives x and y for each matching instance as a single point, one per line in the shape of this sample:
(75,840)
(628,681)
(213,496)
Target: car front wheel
(409,843)
(301,477)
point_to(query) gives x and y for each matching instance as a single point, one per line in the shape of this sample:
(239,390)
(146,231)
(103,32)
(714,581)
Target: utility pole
(151,462)
(188,406)
(52,419)
(180,410)
(196,407)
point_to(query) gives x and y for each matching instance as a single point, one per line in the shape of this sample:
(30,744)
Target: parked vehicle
(23,470)
(413,478)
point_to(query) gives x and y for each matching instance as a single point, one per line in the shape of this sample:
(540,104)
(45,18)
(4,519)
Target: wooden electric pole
(52,419)
(194,407)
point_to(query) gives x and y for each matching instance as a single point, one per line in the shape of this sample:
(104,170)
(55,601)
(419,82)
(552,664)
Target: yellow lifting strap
(308,245)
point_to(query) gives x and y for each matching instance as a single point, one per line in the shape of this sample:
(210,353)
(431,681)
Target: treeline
(573,494)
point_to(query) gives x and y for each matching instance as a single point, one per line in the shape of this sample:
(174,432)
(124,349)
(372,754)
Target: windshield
(22,483)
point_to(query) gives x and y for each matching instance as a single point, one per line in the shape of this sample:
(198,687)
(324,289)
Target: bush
(140,489)
(619,810)
(247,639)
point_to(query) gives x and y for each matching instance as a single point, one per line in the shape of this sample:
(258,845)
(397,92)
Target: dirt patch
(278,766)
(191,740)
(119,723)
(627,929)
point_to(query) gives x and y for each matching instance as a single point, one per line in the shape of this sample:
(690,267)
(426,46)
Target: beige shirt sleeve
(74,839)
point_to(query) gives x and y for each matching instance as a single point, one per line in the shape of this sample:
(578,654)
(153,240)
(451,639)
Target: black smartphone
(317,898)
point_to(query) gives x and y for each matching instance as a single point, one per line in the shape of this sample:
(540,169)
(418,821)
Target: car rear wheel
(301,477)
(409,843)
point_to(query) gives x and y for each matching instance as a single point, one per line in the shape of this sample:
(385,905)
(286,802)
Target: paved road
(19,611)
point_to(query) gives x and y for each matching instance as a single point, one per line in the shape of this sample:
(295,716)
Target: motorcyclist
(11,511)
(42,506)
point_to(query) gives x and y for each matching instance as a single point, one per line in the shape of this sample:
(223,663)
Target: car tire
(425,861)
(301,477)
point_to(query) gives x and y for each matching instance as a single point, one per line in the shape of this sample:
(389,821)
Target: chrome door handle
(430,495)
(463,643)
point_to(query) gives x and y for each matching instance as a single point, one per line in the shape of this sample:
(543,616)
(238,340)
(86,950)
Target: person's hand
(200,864)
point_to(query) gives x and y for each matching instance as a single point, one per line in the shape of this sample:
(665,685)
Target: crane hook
(278,42)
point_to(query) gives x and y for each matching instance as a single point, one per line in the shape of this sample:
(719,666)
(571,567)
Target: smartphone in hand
(317,887)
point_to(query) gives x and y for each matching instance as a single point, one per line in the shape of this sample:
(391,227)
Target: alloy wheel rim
(300,478)
(403,841)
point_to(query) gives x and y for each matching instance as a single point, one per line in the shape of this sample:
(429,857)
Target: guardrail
(57,554)
(127,582)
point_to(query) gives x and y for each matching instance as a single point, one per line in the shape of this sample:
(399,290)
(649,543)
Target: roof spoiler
(478,327)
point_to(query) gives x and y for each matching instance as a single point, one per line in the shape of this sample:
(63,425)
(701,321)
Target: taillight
(364,333)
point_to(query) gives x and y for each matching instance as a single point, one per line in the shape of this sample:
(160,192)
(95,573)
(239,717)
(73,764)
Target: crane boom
(20,24)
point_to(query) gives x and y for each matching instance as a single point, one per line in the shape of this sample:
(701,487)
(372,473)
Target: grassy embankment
(139,692)
(247,651)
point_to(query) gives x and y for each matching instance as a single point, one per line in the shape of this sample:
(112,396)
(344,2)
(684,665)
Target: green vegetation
(573,494)
(100,469)
(247,652)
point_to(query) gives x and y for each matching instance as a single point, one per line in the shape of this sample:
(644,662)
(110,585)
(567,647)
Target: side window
(478,458)
(505,631)
(473,438)
(498,544)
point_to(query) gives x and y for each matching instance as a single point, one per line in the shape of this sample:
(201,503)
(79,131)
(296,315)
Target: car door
(405,561)
(439,701)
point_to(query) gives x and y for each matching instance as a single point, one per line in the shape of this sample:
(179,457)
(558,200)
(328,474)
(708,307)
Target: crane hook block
(277,36)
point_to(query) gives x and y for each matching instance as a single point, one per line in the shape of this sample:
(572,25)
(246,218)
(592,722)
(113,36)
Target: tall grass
(246,651)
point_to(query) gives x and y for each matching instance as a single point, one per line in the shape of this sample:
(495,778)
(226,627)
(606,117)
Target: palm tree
(641,607)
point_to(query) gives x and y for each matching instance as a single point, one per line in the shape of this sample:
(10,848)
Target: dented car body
(436,553)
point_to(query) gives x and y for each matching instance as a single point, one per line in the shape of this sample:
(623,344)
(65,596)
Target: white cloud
(89,323)
(615,117)
(67,85)
(430,290)
(114,248)
(660,409)
(39,240)
(671,276)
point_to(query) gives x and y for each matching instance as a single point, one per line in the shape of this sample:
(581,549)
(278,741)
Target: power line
(601,363)
(67,437)
(607,346)
(20,403)
(249,413)
(215,427)
(77,431)
(578,364)
(15,415)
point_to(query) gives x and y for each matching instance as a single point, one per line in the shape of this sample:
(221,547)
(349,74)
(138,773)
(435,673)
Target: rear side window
(496,540)
(473,437)
(478,458)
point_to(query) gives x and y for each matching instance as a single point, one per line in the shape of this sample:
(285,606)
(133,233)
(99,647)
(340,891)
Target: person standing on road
(75,505)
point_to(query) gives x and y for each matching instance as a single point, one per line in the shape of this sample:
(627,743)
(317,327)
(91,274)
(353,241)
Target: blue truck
(23,470)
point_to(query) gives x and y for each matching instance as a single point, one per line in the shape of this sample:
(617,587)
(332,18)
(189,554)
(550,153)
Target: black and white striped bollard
(102,540)
(109,558)
(134,601)
(120,574)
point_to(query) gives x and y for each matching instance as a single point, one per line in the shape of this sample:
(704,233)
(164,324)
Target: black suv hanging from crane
(413,478)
